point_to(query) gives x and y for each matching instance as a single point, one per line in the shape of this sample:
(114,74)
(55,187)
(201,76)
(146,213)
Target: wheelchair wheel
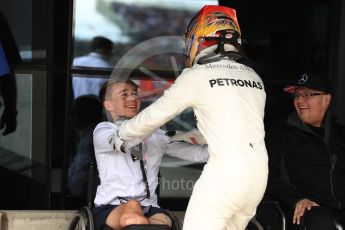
(82,220)
(176,223)
(254,225)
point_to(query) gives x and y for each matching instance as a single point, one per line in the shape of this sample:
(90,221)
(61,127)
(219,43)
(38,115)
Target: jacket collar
(295,121)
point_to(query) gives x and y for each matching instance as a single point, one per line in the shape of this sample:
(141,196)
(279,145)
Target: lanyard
(143,171)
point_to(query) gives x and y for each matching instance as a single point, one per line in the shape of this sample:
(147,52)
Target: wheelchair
(83,218)
(272,217)
(254,224)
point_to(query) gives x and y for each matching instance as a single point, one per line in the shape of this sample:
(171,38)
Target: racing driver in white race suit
(228,99)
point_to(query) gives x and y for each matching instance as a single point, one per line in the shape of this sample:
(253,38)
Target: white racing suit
(228,100)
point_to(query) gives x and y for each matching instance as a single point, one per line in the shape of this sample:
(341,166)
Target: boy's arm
(187,151)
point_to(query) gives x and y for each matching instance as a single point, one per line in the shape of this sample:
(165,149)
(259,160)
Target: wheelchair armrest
(280,210)
(146,227)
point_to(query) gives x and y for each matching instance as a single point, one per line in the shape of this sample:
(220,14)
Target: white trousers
(226,194)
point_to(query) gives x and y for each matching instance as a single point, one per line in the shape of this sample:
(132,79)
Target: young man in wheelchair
(307,158)
(129,176)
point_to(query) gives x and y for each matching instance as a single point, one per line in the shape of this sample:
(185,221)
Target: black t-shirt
(320,131)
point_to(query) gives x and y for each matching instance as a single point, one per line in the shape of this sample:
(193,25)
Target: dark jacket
(304,164)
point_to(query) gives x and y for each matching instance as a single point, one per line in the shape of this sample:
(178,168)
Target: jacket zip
(333,161)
